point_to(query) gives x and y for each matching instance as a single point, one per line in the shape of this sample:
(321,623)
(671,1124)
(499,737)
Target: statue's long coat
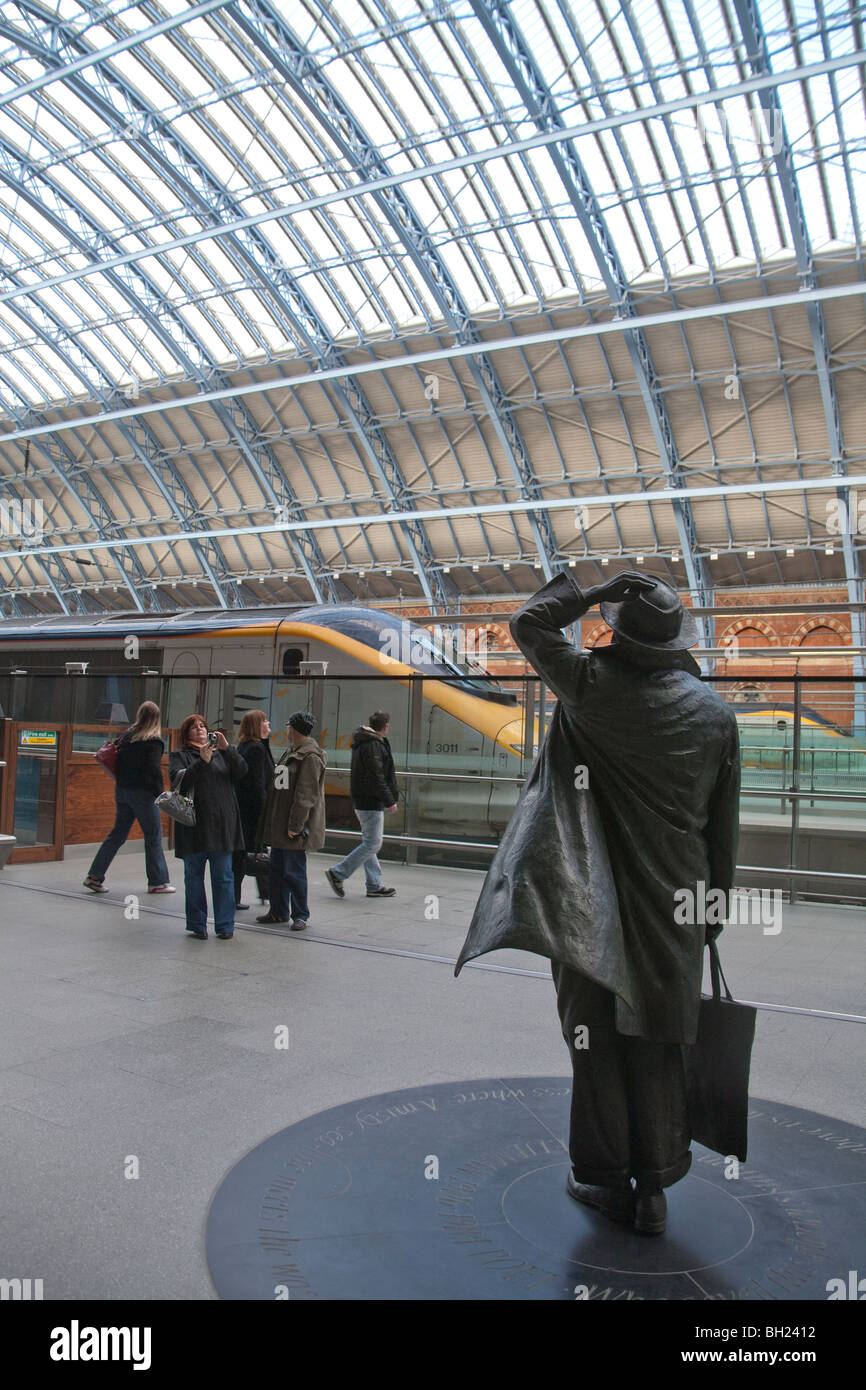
(587,876)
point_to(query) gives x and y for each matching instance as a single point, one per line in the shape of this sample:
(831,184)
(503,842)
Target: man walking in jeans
(374,791)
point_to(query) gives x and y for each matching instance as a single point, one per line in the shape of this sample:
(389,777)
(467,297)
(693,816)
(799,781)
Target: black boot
(650,1213)
(616,1203)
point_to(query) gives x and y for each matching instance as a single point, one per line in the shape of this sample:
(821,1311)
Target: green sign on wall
(37,738)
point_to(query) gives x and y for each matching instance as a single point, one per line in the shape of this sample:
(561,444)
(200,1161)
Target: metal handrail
(798,873)
(783,794)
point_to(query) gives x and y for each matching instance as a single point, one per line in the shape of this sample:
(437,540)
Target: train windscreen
(399,640)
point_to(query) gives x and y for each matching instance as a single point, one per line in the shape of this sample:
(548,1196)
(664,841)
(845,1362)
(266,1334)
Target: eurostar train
(459,723)
(830,756)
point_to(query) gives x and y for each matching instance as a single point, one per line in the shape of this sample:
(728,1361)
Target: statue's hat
(653,619)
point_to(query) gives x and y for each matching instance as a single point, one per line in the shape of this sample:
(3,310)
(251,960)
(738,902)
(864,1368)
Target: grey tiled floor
(129,1038)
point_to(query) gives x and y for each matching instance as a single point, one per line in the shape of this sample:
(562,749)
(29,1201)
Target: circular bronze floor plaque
(458,1192)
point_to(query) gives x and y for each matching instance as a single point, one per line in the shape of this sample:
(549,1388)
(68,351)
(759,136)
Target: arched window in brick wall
(748,632)
(821,632)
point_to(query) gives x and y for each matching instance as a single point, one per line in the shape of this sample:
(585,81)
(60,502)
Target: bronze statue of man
(634,798)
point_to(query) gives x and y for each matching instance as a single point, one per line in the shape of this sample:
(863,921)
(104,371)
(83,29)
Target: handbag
(717,1068)
(174,804)
(106,756)
(257,863)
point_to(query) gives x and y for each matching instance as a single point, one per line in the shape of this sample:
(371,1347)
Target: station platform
(128,1047)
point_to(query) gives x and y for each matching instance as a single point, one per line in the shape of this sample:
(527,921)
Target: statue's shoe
(617,1203)
(650,1213)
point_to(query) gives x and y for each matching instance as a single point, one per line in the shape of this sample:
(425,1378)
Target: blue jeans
(372,833)
(288,885)
(133,806)
(222,882)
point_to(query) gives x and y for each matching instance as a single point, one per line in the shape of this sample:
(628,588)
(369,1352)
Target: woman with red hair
(211,771)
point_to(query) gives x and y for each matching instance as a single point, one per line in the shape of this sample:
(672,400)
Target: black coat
(252,790)
(373,782)
(212,786)
(587,875)
(139,765)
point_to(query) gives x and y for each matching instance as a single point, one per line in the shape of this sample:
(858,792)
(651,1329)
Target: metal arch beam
(99,55)
(299,70)
(371,519)
(698,227)
(234,415)
(475,157)
(19,175)
(61,460)
(9,601)
(101,517)
(728,308)
(56,453)
(513,51)
(43,563)
(758,59)
(305,325)
(209,554)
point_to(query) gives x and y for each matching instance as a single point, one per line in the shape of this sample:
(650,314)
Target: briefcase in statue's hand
(717,1068)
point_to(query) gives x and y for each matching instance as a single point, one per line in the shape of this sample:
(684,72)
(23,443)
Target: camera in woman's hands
(212,740)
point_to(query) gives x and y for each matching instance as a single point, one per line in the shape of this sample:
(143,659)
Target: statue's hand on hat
(623,586)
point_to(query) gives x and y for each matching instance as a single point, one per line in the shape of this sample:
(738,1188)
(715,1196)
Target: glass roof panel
(414,81)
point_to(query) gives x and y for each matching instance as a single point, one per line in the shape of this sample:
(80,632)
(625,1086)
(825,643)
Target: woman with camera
(211,770)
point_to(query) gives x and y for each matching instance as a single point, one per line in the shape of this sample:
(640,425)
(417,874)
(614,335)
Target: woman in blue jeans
(139,782)
(211,770)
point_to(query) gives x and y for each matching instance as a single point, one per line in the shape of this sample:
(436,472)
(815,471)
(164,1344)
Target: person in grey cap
(293,821)
(634,798)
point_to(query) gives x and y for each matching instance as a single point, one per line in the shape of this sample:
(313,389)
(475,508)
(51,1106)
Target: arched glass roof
(196,199)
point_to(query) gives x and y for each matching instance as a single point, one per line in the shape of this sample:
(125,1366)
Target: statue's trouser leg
(628,1101)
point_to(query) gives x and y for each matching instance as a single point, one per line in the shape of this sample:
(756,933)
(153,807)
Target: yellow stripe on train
(470,709)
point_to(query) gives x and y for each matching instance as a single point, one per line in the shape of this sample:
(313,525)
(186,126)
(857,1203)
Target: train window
(292,658)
